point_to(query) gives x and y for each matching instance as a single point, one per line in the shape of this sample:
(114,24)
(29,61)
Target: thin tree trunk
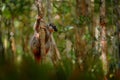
(25,42)
(9,48)
(11,40)
(13,46)
(81,11)
(103,41)
(117,23)
(2,55)
(93,22)
(41,30)
(49,11)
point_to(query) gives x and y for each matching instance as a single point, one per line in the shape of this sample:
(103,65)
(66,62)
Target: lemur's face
(52,27)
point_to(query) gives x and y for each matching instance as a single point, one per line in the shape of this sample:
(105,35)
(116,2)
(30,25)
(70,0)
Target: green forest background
(88,40)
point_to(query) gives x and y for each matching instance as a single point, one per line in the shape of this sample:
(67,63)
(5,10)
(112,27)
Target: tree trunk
(103,41)
(117,24)
(13,46)
(81,11)
(41,30)
(2,55)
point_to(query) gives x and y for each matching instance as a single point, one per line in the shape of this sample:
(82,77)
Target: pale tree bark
(10,54)
(94,21)
(12,39)
(103,39)
(97,34)
(93,25)
(49,10)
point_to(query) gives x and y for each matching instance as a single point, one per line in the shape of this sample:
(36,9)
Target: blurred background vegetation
(88,40)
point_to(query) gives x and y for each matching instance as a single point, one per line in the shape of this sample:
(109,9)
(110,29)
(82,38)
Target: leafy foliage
(17,18)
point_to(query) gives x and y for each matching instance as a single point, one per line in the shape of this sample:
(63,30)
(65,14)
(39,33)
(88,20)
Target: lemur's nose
(55,28)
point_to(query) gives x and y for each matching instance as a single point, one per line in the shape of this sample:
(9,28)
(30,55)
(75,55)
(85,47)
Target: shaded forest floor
(28,69)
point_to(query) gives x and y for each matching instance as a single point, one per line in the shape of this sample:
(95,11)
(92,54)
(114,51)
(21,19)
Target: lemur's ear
(53,26)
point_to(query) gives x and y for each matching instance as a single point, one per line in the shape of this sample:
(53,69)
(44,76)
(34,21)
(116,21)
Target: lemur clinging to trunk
(35,44)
